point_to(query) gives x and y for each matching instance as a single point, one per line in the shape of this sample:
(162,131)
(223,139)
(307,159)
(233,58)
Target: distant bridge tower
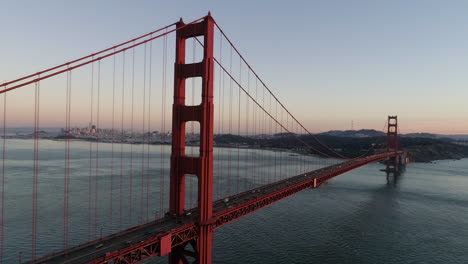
(201,166)
(393,163)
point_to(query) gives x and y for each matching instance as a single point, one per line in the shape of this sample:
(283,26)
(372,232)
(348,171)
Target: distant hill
(456,137)
(357,143)
(354,133)
(438,136)
(422,149)
(421,135)
(374,133)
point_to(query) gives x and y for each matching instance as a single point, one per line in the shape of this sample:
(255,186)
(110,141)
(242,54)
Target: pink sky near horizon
(358,63)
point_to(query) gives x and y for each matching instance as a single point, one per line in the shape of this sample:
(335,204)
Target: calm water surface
(358,217)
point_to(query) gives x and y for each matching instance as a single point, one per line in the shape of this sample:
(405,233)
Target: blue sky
(329,61)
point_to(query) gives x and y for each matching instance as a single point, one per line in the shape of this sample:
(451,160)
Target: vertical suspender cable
(281,151)
(122,136)
(90,153)
(149,132)
(289,162)
(223,114)
(35,171)
(230,125)
(276,152)
(220,120)
(111,191)
(249,173)
(69,159)
(270,132)
(265,166)
(34,234)
(130,200)
(37,145)
(255,124)
(2,209)
(67,163)
(143,139)
(98,132)
(163,129)
(238,128)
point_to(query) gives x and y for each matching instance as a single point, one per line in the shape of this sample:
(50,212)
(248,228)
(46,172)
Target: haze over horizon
(137,130)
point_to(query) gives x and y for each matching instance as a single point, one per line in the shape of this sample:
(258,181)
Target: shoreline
(411,152)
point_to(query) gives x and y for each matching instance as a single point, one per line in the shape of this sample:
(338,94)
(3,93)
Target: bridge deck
(144,241)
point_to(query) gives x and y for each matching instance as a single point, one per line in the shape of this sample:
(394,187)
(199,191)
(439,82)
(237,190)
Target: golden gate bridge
(141,203)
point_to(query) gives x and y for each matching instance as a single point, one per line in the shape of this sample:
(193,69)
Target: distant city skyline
(329,62)
(127,130)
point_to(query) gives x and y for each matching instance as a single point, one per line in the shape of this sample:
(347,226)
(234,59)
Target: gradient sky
(329,61)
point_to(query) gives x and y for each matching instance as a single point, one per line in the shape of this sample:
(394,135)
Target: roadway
(155,230)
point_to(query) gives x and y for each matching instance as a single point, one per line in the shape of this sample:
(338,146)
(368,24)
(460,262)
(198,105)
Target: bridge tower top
(392,134)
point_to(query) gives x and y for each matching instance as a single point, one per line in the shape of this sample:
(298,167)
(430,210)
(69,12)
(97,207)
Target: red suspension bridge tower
(394,162)
(201,166)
